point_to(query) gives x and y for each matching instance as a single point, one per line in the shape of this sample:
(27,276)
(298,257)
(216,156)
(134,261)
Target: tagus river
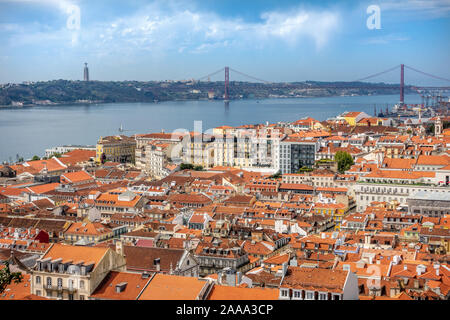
(29,131)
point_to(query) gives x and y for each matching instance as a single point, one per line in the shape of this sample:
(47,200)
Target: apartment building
(431,204)
(154,152)
(118,201)
(68,272)
(385,185)
(198,150)
(295,153)
(214,257)
(303,283)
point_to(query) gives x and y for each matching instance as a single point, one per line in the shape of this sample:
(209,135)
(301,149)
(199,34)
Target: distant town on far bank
(90,91)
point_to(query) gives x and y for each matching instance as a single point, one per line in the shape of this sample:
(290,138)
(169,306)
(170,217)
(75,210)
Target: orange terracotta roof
(76,253)
(107,288)
(20,291)
(170,287)
(74,177)
(91,229)
(239,293)
(397,174)
(77,156)
(43,188)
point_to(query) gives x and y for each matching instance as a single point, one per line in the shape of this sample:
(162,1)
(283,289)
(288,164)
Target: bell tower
(438,126)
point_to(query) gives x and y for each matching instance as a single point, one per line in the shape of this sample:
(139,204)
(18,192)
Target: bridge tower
(227,84)
(402,84)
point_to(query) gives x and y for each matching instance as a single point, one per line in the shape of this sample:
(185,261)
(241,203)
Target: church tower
(438,126)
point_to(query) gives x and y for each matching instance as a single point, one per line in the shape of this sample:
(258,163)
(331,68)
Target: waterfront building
(66,148)
(118,148)
(353,117)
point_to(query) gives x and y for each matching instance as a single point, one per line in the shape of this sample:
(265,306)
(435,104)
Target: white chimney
(119,248)
(420,269)
(436,266)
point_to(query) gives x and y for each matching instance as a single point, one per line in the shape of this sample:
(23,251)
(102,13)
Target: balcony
(60,288)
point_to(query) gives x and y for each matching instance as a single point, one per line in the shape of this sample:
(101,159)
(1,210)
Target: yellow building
(93,232)
(335,210)
(116,149)
(371,122)
(352,118)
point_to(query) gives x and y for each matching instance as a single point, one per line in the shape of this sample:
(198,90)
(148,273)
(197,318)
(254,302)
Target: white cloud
(418,8)
(62,5)
(295,26)
(167,26)
(161,29)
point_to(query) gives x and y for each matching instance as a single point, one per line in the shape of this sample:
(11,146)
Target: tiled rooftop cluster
(133,221)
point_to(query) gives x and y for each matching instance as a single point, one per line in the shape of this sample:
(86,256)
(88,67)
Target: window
(81,297)
(38,279)
(297,294)
(310,295)
(81,284)
(284,293)
(323,296)
(49,282)
(59,283)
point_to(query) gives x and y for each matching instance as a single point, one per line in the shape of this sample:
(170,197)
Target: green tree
(6,277)
(186,166)
(344,161)
(189,166)
(276,175)
(35,158)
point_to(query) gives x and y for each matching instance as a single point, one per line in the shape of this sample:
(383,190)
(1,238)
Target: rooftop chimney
(120,287)
(157,263)
(119,248)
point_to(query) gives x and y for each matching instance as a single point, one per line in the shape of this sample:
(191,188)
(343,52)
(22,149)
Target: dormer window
(83,270)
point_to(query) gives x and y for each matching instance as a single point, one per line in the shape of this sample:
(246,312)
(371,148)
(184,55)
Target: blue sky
(172,39)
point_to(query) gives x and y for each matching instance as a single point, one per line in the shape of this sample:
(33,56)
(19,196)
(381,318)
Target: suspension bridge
(347,85)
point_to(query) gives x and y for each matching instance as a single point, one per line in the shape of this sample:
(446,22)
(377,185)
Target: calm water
(29,131)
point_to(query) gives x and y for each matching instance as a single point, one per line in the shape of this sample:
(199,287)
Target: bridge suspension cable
(377,74)
(427,74)
(248,76)
(211,74)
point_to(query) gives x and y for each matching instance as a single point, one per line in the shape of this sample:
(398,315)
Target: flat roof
(431,195)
